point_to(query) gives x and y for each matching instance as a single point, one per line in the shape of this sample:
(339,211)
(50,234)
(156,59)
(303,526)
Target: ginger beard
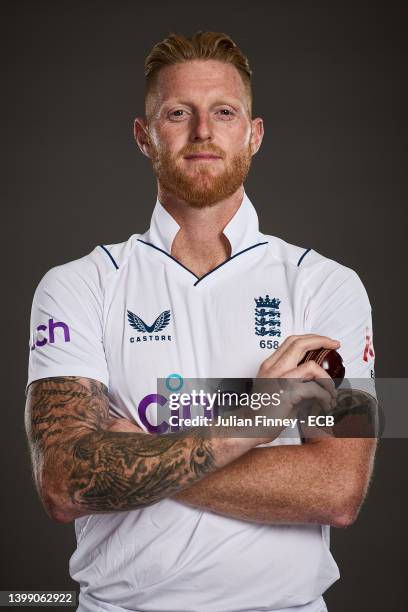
(203,184)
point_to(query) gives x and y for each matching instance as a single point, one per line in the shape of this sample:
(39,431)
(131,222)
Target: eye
(226,114)
(177,114)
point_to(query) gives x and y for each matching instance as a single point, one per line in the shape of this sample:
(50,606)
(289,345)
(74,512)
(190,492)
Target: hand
(283,364)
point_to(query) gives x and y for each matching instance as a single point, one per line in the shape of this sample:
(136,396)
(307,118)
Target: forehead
(198,80)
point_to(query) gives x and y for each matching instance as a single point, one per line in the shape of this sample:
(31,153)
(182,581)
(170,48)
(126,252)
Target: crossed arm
(85,462)
(324,481)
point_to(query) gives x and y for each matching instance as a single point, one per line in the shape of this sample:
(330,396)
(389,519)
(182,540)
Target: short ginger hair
(177,48)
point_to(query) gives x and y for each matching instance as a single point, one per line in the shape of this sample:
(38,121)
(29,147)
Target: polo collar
(242,230)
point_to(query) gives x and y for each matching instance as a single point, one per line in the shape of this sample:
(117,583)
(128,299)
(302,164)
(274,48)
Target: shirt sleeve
(66,328)
(341,310)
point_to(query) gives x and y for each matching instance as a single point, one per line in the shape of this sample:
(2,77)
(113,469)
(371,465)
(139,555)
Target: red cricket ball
(329,360)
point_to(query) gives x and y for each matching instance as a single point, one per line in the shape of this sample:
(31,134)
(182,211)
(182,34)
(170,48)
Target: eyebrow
(234,103)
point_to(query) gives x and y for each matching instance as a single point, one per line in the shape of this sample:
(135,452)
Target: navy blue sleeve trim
(303,256)
(110,256)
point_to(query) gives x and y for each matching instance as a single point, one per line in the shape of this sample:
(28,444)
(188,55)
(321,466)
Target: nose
(201,127)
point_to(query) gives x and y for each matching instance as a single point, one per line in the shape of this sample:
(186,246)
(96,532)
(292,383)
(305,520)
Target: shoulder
(94,270)
(315,270)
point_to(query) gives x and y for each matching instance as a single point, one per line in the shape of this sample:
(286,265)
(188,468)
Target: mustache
(210,148)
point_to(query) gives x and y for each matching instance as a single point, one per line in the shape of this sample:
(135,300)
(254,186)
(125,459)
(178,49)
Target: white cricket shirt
(129,313)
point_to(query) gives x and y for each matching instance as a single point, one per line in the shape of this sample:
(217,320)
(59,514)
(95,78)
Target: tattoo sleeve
(356,415)
(80,466)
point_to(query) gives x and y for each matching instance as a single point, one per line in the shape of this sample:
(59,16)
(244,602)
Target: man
(183,523)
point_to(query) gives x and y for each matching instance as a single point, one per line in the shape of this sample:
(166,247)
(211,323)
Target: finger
(312,392)
(304,342)
(279,351)
(295,352)
(316,373)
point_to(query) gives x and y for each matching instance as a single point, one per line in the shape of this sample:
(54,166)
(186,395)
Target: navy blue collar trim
(200,278)
(168,255)
(228,260)
(110,256)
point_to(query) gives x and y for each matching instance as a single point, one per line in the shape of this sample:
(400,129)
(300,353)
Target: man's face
(200,135)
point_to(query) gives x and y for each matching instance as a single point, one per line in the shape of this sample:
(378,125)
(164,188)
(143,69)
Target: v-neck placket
(242,232)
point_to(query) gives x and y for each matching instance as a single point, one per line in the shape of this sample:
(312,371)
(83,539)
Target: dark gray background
(330,83)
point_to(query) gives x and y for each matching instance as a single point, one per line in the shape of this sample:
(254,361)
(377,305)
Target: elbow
(344,519)
(59,513)
(346,508)
(56,509)
(52,491)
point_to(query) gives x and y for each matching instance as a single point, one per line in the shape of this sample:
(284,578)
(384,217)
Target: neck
(200,244)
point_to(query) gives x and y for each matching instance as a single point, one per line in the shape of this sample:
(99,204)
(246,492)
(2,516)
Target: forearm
(286,484)
(96,467)
(324,481)
(282,484)
(111,472)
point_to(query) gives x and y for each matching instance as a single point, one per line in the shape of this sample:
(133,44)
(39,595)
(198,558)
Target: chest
(161,322)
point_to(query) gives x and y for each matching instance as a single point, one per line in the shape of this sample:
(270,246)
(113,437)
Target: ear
(257,134)
(141,135)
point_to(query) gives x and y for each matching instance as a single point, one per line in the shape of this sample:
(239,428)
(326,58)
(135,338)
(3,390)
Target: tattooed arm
(324,481)
(83,465)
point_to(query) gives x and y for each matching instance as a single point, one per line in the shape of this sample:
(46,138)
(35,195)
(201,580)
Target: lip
(207,156)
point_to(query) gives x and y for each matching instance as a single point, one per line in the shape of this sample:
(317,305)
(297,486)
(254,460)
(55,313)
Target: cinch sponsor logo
(174,383)
(40,337)
(154,399)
